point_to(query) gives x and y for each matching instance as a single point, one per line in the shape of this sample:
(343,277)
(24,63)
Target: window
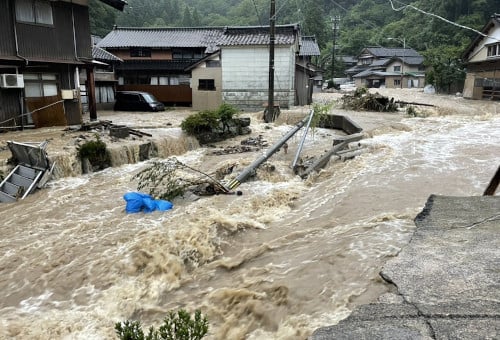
(206,85)
(40,85)
(366,61)
(179,53)
(138,52)
(397,68)
(34,11)
(494,50)
(397,82)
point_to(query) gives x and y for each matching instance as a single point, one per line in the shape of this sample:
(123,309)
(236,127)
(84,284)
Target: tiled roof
(161,37)
(257,35)
(209,37)
(101,54)
(382,52)
(309,46)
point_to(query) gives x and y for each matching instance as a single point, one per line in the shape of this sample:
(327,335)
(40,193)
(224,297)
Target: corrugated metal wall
(7,42)
(56,43)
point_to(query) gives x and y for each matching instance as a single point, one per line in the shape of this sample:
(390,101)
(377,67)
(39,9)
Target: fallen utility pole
(276,147)
(413,103)
(492,187)
(338,145)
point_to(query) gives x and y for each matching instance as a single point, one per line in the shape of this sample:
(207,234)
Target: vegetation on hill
(362,22)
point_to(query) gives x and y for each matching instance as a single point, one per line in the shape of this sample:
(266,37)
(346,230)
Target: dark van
(137,101)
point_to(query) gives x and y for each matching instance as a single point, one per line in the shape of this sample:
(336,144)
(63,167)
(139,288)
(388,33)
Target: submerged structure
(32,171)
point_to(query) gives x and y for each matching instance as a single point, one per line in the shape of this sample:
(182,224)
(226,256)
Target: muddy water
(284,258)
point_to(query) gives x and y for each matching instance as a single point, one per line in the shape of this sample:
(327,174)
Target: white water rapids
(286,257)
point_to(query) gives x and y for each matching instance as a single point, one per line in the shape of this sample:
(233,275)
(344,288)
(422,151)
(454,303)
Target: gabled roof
(210,38)
(494,21)
(309,46)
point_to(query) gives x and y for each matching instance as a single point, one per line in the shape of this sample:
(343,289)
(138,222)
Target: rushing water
(286,257)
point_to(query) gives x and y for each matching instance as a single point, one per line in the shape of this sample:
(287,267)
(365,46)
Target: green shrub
(95,151)
(207,120)
(200,122)
(176,326)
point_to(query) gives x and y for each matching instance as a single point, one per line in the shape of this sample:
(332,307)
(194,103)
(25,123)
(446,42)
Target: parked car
(137,101)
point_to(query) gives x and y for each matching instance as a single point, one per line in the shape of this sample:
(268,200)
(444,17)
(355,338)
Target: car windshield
(149,98)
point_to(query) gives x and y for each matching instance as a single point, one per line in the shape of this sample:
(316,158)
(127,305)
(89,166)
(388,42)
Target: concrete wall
(245,76)
(206,100)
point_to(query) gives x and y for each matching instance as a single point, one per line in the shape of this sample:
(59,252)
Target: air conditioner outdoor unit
(11,81)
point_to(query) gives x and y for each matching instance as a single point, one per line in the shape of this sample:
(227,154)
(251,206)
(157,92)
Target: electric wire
(405,6)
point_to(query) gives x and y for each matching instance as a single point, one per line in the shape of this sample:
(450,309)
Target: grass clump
(176,326)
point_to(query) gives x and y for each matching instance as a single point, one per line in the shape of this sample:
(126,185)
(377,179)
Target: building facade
(483,63)
(43,46)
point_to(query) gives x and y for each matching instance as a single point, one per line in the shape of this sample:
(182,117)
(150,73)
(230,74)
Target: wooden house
(483,63)
(43,45)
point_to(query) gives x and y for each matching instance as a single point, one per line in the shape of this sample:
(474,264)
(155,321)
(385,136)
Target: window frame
(35,10)
(206,85)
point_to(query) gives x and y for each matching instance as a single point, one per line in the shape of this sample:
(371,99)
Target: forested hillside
(361,22)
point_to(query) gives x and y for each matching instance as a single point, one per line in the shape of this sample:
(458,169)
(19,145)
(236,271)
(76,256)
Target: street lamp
(403,41)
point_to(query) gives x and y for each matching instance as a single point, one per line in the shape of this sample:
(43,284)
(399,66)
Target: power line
(405,6)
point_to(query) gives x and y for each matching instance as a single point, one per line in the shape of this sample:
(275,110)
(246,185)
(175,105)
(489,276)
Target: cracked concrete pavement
(446,280)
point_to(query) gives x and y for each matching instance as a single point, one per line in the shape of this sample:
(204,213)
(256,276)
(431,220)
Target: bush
(202,121)
(207,120)
(176,326)
(95,151)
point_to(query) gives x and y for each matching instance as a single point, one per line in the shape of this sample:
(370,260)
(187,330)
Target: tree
(446,68)
(102,18)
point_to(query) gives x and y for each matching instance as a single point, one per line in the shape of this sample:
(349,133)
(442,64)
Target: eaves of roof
(155,65)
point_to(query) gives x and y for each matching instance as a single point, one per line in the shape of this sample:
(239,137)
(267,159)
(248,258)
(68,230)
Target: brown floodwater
(284,258)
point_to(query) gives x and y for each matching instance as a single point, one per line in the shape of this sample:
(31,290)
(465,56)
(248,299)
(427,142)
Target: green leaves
(176,326)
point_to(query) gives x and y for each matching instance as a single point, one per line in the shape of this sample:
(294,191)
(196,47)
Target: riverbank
(446,283)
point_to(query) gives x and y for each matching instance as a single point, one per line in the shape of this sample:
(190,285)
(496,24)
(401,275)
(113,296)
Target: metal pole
(301,145)
(269,117)
(251,168)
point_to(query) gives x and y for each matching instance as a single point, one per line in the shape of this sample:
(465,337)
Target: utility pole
(335,27)
(269,116)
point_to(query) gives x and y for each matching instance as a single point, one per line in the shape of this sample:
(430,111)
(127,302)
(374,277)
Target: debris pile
(171,178)
(248,145)
(362,100)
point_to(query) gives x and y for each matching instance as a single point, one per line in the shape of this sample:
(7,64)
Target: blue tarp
(137,202)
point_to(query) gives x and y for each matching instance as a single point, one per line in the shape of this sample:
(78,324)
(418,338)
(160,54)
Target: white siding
(245,75)
(480,53)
